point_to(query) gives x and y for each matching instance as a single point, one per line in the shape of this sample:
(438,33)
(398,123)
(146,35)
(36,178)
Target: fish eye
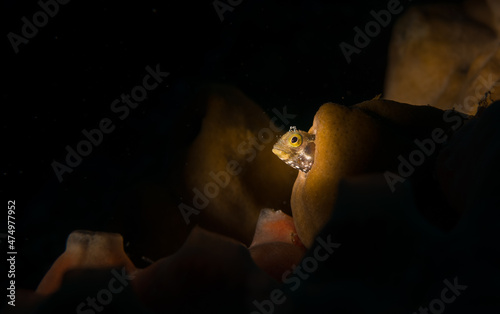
(296,140)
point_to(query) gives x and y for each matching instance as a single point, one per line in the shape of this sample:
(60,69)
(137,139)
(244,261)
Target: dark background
(64,80)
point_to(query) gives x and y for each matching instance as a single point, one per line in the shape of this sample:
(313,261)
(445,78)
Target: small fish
(296,149)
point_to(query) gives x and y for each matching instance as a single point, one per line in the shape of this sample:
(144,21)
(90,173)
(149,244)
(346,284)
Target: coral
(383,130)
(230,169)
(276,247)
(209,272)
(86,250)
(445,56)
(388,248)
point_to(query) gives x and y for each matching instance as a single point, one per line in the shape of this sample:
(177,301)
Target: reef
(343,207)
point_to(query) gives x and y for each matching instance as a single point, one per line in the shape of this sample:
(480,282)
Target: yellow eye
(296,140)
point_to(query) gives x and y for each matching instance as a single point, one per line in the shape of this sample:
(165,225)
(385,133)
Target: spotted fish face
(296,149)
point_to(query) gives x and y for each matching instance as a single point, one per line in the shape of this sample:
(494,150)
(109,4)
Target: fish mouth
(281,154)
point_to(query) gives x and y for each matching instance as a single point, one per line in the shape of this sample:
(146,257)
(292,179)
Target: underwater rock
(445,55)
(230,172)
(365,138)
(86,250)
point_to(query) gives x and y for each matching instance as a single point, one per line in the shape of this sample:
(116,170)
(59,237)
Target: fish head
(296,149)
